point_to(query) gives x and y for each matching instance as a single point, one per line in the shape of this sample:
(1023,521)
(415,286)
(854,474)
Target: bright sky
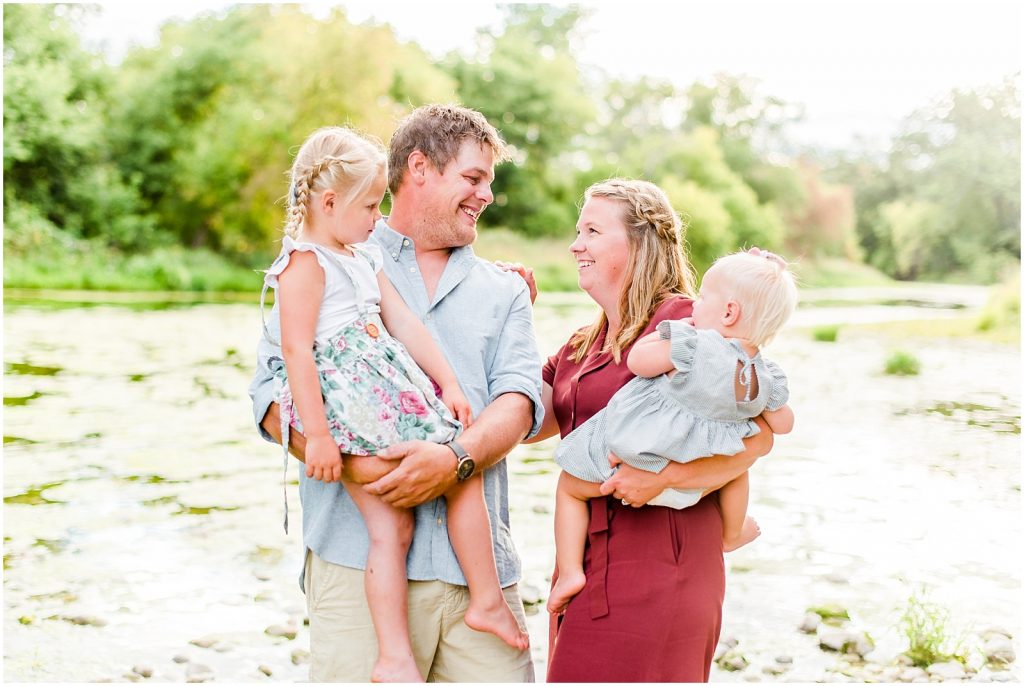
(858,67)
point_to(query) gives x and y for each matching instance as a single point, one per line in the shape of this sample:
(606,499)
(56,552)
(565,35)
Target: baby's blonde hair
(765,289)
(334,158)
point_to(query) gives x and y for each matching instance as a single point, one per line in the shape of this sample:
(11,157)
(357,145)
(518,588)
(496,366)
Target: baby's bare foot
(748,533)
(497,619)
(401,670)
(565,589)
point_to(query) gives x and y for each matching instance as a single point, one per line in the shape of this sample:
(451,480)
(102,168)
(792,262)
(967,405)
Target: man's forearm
(498,429)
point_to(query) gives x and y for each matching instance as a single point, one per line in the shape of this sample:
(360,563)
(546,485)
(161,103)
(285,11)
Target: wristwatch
(466,466)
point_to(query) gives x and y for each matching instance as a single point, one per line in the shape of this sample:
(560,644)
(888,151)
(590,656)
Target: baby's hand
(323,459)
(455,400)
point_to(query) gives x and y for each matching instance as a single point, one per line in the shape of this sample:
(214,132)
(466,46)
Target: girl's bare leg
(390,530)
(737,528)
(572,519)
(469,529)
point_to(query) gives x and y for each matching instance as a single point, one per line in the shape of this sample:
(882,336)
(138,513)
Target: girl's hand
(455,400)
(323,459)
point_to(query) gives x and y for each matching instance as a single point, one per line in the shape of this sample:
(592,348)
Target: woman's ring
(625,502)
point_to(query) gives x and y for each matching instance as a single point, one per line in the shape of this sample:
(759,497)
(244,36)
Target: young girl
(700,381)
(348,385)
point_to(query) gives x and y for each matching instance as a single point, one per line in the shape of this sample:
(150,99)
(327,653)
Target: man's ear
(732,313)
(417,166)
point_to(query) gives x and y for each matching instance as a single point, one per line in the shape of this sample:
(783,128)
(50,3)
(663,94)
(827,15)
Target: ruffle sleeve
(683,339)
(288,246)
(372,253)
(779,395)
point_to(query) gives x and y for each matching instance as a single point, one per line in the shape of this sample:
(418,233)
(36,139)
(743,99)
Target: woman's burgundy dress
(652,606)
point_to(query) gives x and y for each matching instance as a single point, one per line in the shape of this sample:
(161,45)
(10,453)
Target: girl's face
(601,250)
(354,222)
(711,309)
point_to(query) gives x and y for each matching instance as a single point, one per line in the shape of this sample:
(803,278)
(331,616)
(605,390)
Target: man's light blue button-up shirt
(482,319)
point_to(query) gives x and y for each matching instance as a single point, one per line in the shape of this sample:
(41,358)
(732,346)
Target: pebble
(732,661)
(836,578)
(730,641)
(180,659)
(911,673)
(891,673)
(262,576)
(85,620)
(300,656)
(197,673)
(999,649)
(774,669)
(266,670)
(145,671)
(530,594)
(1003,677)
(132,676)
(204,642)
(784,659)
(810,623)
(947,670)
(751,677)
(288,631)
(835,639)
(541,509)
(990,631)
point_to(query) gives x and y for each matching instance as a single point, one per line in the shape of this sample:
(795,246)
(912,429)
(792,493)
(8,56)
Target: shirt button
(440,521)
(429,316)
(405,242)
(412,270)
(395,255)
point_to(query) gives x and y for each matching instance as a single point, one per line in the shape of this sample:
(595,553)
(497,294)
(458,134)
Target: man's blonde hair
(657,268)
(764,288)
(333,158)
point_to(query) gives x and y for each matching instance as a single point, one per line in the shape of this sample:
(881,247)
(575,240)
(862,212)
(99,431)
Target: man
(441,166)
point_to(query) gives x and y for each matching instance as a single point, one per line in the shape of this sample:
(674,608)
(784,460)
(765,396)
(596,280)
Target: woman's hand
(522,271)
(323,460)
(635,487)
(455,400)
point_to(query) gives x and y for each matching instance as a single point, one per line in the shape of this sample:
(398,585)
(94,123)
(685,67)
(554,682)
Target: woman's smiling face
(601,250)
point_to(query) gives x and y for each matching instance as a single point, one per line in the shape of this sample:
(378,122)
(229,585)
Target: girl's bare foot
(748,533)
(497,618)
(400,670)
(565,589)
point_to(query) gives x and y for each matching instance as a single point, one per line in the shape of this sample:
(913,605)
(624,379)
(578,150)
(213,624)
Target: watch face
(466,467)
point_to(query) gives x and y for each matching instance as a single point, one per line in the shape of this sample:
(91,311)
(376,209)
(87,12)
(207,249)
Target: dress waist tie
(598,535)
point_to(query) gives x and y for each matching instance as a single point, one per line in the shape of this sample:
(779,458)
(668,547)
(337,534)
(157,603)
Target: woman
(652,605)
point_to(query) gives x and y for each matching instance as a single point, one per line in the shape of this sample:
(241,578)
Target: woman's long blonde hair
(657,267)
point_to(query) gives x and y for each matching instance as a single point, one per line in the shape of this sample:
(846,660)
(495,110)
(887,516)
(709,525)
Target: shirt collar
(393,243)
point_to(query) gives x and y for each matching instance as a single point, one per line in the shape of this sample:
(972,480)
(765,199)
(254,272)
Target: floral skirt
(374,393)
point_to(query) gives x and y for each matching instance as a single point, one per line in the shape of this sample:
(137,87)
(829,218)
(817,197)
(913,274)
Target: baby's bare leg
(737,528)
(470,532)
(390,530)
(572,519)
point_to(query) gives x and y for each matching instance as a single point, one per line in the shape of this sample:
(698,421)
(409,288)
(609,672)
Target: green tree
(525,80)
(56,165)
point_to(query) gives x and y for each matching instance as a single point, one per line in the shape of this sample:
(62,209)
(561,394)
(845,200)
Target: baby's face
(710,308)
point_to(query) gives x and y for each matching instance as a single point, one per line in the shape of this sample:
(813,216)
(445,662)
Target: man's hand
(522,271)
(425,471)
(633,485)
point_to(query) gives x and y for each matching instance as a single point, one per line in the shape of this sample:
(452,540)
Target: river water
(142,512)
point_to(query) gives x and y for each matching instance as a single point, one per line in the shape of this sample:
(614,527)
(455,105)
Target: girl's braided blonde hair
(657,267)
(333,158)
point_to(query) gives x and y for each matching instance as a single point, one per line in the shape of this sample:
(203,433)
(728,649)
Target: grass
(826,334)
(834,272)
(902,363)
(925,625)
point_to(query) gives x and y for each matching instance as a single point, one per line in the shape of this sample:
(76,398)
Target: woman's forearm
(716,470)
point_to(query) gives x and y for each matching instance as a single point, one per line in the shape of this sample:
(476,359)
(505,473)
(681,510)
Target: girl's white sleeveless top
(350,282)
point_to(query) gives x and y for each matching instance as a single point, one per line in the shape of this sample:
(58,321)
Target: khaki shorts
(343,646)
